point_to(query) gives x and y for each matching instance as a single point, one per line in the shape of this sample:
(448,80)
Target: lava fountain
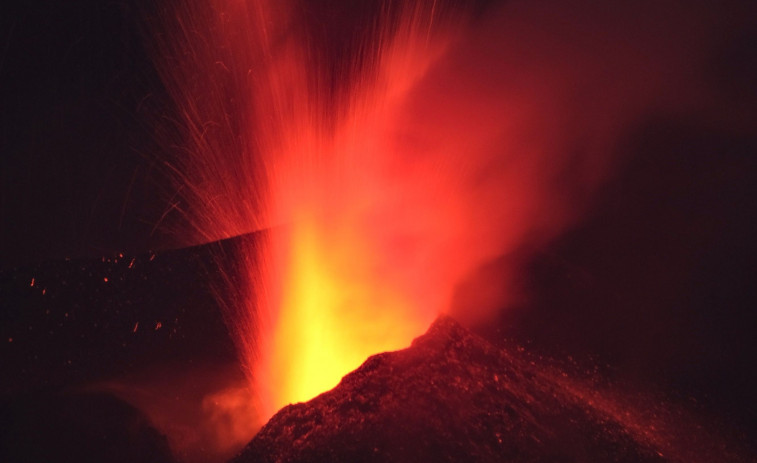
(387,150)
(339,296)
(308,150)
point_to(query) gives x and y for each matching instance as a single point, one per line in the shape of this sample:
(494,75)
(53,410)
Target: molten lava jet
(381,186)
(391,156)
(360,253)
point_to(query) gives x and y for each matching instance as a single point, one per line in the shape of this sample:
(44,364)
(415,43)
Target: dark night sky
(78,155)
(669,246)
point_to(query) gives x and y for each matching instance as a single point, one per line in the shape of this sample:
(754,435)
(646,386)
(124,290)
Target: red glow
(347,276)
(205,410)
(386,177)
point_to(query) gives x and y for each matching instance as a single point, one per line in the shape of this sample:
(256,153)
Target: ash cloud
(524,122)
(638,249)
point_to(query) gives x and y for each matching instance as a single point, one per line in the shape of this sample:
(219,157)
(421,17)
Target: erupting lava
(383,172)
(286,136)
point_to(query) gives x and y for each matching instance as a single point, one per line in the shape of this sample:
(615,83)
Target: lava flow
(389,150)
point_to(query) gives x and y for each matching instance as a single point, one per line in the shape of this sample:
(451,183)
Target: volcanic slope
(450,396)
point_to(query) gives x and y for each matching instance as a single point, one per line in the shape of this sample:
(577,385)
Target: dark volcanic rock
(451,396)
(78,427)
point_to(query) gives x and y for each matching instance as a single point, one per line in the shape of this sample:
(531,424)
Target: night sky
(658,279)
(79,175)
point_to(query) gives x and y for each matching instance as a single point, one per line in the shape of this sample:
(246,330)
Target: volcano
(581,179)
(451,396)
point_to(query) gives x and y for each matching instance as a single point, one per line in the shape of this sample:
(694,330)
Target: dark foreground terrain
(451,396)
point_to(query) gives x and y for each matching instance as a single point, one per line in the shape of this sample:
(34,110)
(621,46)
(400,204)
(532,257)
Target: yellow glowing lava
(332,315)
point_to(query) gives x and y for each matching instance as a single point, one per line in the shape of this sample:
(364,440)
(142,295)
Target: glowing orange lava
(386,162)
(333,316)
(284,134)
(343,261)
